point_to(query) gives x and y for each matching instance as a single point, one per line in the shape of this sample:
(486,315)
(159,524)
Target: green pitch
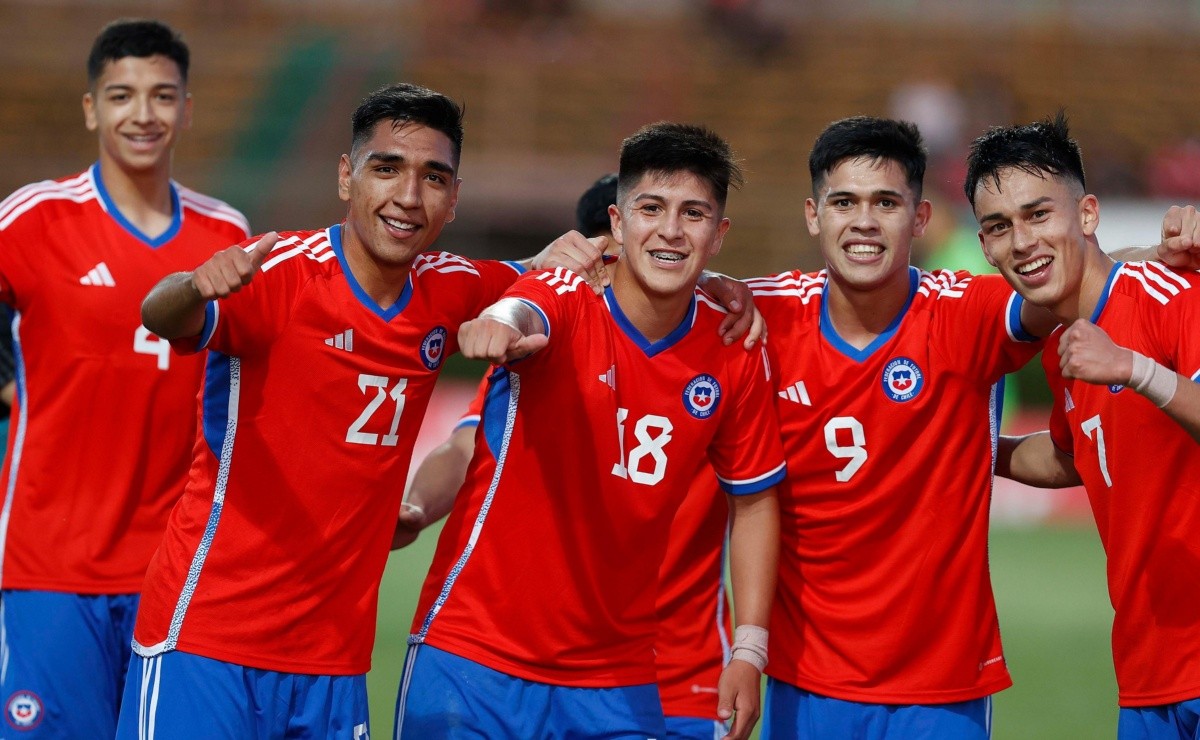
(1054,616)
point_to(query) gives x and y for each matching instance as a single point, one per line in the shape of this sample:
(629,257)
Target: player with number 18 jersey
(884,595)
(273,557)
(1142,475)
(547,568)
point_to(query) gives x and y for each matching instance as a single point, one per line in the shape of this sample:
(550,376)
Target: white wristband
(750,645)
(513,313)
(1154,381)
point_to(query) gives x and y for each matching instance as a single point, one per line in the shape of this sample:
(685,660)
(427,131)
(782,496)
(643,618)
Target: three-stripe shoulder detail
(804,286)
(943,284)
(78,189)
(1158,281)
(314,246)
(443,262)
(212,208)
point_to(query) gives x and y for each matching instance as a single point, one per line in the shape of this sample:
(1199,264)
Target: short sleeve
(979,324)
(746,451)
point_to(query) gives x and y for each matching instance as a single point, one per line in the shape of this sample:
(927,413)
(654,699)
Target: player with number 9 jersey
(312,399)
(884,595)
(1142,475)
(104,415)
(547,567)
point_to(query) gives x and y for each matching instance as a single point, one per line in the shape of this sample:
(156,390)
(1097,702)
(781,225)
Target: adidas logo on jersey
(796,393)
(609,378)
(99,276)
(1068,402)
(345,341)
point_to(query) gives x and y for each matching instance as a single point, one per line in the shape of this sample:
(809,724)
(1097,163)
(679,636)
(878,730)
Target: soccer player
(1123,366)
(694,622)
(538,614)
(882,372)
(103,419)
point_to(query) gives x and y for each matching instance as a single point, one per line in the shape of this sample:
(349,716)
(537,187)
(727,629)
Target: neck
(140,195)
(654,316)
(382,282)
(860,316)
(1081,303)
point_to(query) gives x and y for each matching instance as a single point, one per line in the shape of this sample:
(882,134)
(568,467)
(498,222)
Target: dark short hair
(407,103)
(1039,148)
(868,137)
(676,147)
(591,212)
(133,37)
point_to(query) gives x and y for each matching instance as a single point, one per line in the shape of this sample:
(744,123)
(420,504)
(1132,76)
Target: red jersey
(1142,475)
(547,568)
(313,396)
(694,623)
(102,425)
(884,595)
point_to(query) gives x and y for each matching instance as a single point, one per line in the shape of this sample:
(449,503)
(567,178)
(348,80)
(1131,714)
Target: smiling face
(865,216)
(138,106)
(669,227)
(402,190)
(1036,231)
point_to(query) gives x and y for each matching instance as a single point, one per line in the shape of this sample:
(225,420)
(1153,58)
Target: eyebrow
(121,86)
(896,194)
(1024,207)
(659,199)
(387,158)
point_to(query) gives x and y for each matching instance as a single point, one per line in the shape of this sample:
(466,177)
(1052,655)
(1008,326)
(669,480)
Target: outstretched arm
(435,486)
(1088,354)
(174,308)
(507,330)
(753,563)
(1035,461)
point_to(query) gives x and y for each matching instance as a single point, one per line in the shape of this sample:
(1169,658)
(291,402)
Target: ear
(722,229)
(614,220)
(987,255)
(186,122)
(810,217)
(345,170)
(89,111)
(1089,214)
(454,199)
(921,222)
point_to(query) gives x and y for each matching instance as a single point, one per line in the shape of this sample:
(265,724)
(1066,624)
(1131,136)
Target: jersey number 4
(652,433)
(145,343)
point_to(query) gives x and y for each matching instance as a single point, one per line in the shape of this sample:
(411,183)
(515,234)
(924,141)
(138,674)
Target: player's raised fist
(496,342)
(1086,353)
(1180,245)
(228,270)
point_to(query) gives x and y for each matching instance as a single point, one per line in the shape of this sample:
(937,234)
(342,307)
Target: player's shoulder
(211,208)
(436,265)
(791,286)
(1153,283)
(74,189)
(309,251)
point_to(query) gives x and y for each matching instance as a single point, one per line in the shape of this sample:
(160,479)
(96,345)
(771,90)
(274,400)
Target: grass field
(1054,616)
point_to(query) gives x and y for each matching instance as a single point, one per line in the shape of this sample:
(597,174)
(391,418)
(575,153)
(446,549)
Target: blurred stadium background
(552,86)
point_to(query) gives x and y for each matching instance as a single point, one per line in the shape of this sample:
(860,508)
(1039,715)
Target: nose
(143,109)
(864,218)
(670,228)
(1024,240)
(408,191)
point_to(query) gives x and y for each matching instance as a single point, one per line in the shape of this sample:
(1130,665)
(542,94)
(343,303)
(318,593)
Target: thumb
(258,253)
(526,346)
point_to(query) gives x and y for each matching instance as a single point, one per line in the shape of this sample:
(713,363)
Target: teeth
(399,224)
(666,256)
(1037,264)
(864,249)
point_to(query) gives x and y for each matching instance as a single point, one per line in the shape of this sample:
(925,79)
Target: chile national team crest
(701,396)
(24,710)
(433,348)
(902,380)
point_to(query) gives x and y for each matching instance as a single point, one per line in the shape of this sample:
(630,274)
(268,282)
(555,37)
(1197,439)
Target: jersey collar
(849,350)
(1108,286)
(335,241)
(650,348)
(110,207)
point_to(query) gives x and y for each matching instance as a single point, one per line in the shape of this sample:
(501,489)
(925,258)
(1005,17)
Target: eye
(167,97)
(1040,214)
(650,208)
(996,228)
(118,97)
(887,203)
(842,203)
(694,213)
(436,177)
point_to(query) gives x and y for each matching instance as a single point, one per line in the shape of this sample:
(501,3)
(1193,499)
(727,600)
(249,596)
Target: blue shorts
(64,658)
(695,728)
(1178,721)
(445,696)
(792,712)
(180,696)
